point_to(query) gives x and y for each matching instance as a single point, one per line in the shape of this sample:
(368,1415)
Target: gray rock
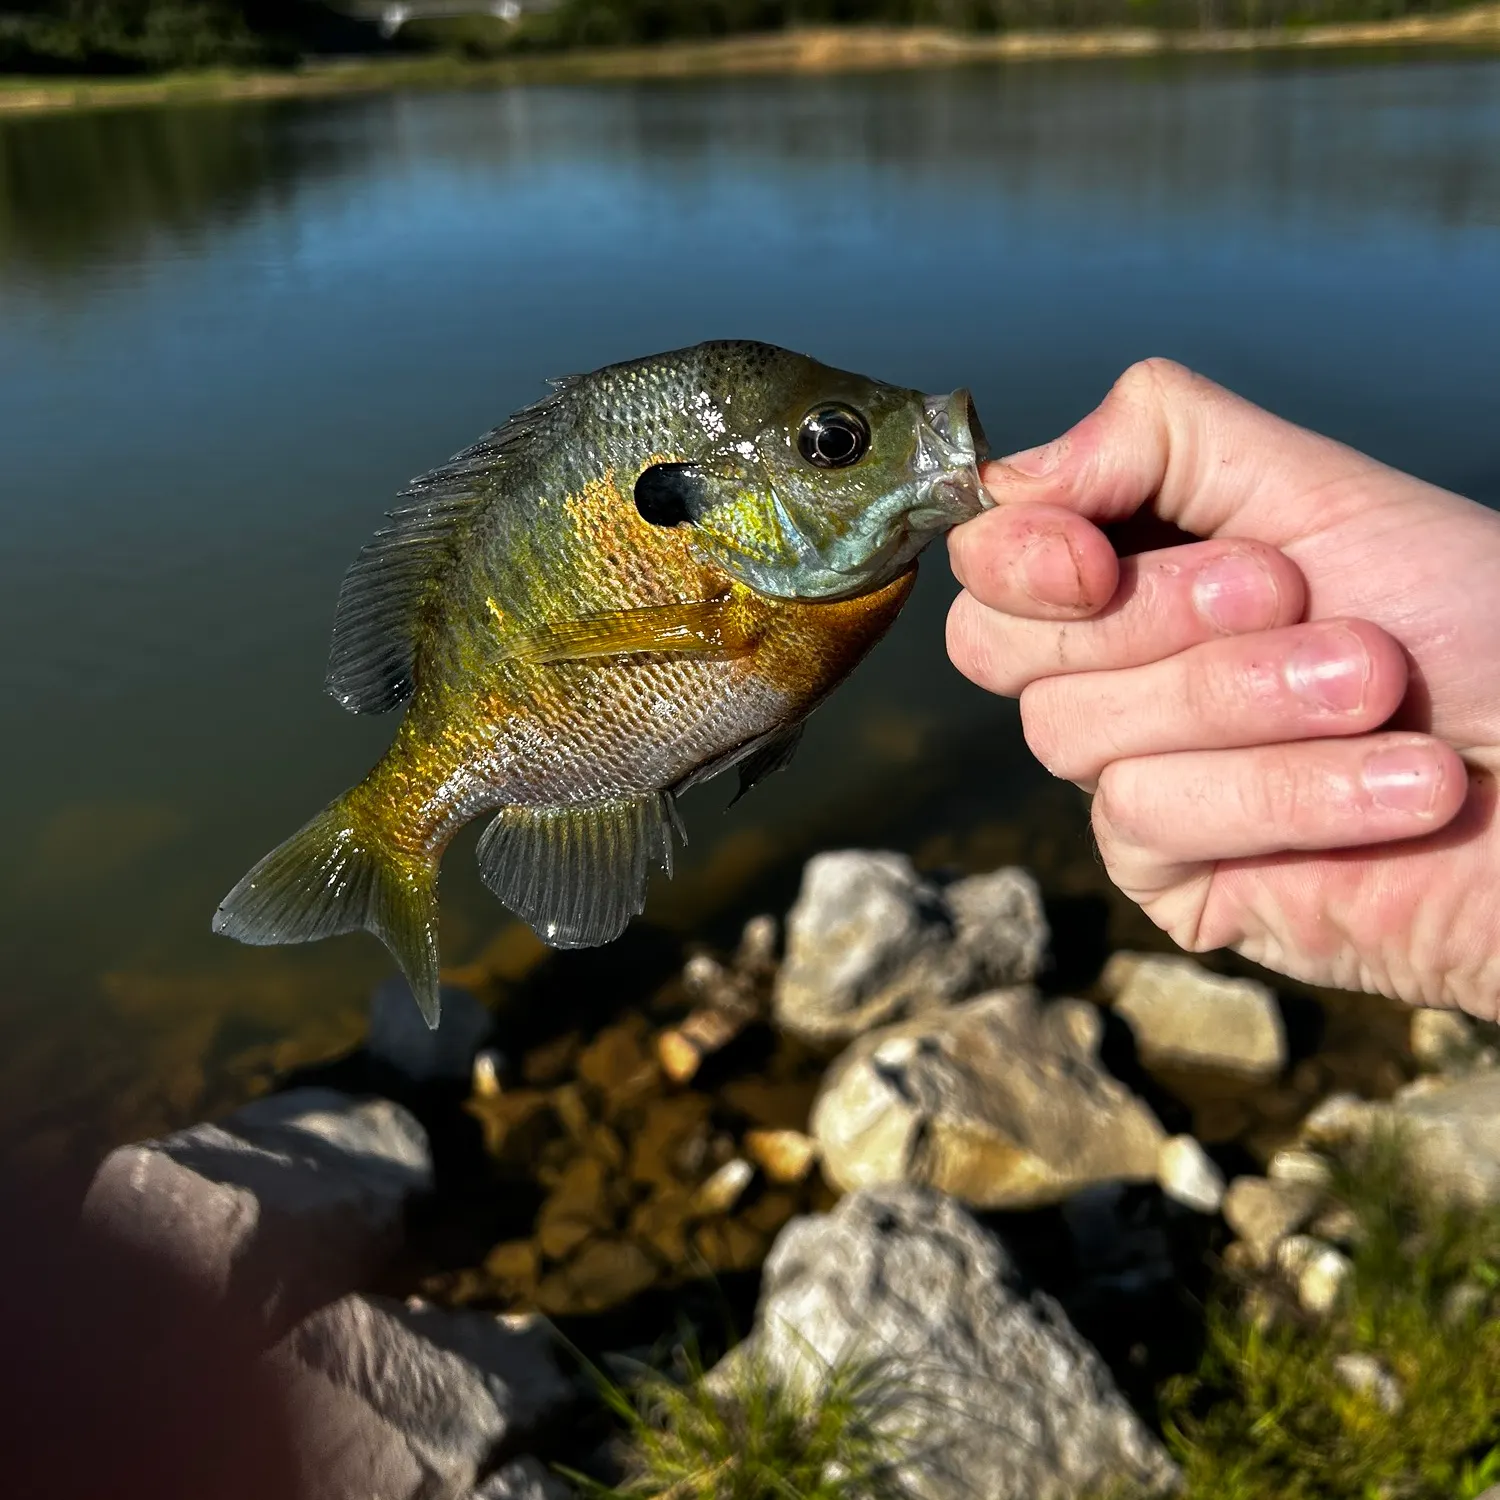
(379,1139)
(1453,1135)
(1000,1101)
(1262,1213)
(396,1403)
(1187,1175)
(400,1038)
(524,1479)
(869,941)
(1297,1164)
(300,1199)
(1000,925)
(1449,1128)
(1184,1016)
(996,1394)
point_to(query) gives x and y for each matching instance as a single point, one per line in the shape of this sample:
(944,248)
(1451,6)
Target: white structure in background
(394,14)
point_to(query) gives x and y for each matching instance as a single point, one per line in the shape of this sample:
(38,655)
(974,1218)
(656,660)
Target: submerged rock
(401,1039)
(1184,1016)
(405,1404)
(1001,1102)
(992,1392)
(869,941)
(292,1201)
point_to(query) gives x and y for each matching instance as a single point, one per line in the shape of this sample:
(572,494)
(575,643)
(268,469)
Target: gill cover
(835,502)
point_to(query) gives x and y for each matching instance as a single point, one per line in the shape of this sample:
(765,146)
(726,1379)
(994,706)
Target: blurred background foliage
(141,36)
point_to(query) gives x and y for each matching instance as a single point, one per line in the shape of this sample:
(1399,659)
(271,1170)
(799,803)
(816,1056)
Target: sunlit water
(228,335)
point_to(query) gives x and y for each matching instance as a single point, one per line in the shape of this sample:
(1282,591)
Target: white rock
(1295,1164)
(1184,1016)
(994,1394)
(300,1199)
(1364,1373)
(402,1040)
(999,921)
(401,1404)
(725,1188)
(1000,1101)
(1187,1175)
(1453,1136)
(1318,1271)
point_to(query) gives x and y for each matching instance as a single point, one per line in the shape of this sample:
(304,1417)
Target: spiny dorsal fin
(577,875)
(384,595)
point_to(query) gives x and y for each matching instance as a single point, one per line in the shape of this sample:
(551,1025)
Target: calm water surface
(228,335)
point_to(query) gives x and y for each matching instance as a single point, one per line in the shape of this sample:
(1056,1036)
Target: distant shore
(813,50)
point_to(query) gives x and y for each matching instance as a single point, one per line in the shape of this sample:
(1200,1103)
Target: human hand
(1270,720)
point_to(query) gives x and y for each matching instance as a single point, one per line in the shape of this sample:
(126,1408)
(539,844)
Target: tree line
(127,36)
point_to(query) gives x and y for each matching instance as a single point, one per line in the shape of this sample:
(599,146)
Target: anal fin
(577,874)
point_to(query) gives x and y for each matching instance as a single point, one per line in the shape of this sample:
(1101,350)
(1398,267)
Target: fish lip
(951,445)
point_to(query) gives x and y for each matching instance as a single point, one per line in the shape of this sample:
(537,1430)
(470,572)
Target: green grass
(748,1436)
(1265,1414)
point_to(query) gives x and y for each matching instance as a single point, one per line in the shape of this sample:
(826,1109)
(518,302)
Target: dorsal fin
(384,595)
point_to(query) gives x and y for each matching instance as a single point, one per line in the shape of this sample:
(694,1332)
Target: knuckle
(1110,811)
(1276,794)
(1043,722)
(969,634)
(1156,378)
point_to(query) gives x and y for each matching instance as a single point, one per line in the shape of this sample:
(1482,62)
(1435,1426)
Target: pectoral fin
(578,874)
(707,627)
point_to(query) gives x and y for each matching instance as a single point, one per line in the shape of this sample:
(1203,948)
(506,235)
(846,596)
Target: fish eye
(833,437)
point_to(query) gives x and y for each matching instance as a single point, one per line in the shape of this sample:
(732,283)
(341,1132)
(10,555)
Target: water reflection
(230,334)
(79,188)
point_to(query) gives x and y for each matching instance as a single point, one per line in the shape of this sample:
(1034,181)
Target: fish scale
(649,577)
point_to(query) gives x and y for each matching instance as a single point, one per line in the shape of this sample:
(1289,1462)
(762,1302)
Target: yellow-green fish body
(652,575)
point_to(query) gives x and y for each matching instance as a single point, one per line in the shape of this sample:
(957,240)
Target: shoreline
(823,50)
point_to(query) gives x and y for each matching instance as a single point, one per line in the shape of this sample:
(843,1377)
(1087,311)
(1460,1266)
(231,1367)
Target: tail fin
(337,875)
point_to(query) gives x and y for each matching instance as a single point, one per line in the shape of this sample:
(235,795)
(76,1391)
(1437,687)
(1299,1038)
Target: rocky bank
(874,1128)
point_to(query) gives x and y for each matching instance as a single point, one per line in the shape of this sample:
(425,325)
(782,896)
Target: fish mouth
(951,445)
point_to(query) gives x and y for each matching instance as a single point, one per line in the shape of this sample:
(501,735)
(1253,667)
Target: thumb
(1212,463)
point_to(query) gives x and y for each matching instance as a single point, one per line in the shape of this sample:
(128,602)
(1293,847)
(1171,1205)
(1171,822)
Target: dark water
(229,334)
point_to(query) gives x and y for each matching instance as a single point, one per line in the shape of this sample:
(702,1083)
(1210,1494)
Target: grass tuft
(745,1434)
(1266,1413)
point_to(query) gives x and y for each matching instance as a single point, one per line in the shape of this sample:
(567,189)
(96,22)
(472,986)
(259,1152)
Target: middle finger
(1332,677)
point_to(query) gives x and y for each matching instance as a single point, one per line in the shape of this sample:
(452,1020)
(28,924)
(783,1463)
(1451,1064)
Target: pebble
(1318,1271)
(1187,1175)
(1296,1164)
(1263,1213)
(1365,1374)
(785,1156)
(1441,1038)
(725,1188)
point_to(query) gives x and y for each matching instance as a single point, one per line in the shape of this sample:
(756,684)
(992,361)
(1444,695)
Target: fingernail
(1330,671)
(1037,463)
(1404,778)
(1235,593)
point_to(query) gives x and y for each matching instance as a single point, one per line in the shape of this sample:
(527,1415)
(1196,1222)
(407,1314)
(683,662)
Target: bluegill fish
(651,576)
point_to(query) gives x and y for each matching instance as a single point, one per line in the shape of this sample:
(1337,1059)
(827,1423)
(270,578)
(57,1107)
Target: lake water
(229,334)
